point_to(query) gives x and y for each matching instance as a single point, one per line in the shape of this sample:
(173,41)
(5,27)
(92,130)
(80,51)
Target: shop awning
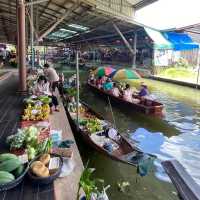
(180,41)
(159,40)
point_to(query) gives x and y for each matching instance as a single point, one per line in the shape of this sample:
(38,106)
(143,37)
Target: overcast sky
(166,14)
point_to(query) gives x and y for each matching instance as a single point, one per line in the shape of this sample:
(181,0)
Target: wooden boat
(146,106)
(125,153)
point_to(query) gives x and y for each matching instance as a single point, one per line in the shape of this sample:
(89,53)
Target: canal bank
(182,83)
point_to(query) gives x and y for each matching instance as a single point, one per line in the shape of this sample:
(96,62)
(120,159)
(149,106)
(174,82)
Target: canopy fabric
(104,71)
(180,41)
(126,74)
(159,41)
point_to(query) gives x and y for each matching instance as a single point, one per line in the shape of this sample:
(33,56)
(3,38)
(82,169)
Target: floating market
(96,105)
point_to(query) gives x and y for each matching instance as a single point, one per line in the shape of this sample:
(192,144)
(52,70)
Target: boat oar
(112,113)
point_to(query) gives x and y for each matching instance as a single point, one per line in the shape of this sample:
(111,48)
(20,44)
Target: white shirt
(51,74)
(128,95)
(115,92)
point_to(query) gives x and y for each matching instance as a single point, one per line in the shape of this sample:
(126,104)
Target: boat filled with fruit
(100,134)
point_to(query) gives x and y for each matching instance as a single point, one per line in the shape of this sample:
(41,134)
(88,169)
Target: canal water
(179,132)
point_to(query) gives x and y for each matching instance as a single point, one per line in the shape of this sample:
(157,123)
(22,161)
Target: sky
(166,14)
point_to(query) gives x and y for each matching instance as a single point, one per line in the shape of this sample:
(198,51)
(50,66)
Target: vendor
(52,76)
(43,88)
(143,91)
(108,85)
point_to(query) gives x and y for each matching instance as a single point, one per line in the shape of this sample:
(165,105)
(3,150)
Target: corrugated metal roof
(83,12)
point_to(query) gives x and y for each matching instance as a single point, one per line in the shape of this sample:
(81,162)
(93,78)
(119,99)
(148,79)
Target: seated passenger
(115,90)
(108,85)
(128,93)
(143,91)
(99,82)
(91,78)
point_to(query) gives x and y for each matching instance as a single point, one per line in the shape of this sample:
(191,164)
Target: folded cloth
(66,144)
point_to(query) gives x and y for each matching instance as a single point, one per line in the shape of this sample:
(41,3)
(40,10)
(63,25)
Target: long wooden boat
(149,107)
(125,152)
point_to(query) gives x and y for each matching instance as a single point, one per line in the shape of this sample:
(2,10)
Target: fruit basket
(14,183)
(45,180)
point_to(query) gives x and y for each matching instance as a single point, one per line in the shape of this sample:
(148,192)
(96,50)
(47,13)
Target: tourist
(143,91)
(108,85)
(104,79)
(128,93)
(52,76)
(92,78)
(115,90)
(43,88)
(99,82)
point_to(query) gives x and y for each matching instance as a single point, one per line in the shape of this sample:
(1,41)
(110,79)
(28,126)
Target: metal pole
(198,64)
(77,88)
(22,45)
(32,37)
(135,49)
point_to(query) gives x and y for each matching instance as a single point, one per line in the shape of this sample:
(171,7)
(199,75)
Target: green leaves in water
(123,186)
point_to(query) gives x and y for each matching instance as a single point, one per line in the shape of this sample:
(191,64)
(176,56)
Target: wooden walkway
(10,111)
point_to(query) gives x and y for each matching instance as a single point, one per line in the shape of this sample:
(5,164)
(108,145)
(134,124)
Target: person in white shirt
(128,93)
(52,76)
(115,90)
(42,88)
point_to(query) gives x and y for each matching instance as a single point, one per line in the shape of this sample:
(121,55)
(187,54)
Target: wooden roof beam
(56,23)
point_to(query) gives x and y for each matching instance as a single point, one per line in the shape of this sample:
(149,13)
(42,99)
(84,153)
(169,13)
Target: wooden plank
(187,188)
(66,188)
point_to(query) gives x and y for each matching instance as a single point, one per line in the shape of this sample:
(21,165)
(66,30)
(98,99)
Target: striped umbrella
(126,74)
(104,71)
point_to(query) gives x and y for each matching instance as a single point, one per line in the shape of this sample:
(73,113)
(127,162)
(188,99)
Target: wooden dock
(187,188)
(10,115)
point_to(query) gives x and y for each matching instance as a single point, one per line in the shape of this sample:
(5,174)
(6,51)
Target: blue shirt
(143,92)
(108,86)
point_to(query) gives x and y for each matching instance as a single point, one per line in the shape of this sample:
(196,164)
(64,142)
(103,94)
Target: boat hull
(155,108)
(87,140)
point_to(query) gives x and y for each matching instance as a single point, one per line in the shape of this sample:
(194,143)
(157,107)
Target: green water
(181,103)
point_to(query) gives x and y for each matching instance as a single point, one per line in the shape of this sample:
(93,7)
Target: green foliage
(178,73)
(88,184)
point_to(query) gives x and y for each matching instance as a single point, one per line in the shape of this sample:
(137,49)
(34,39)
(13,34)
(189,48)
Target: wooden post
(124,39)
(32,37)
(22,45)
(77,88)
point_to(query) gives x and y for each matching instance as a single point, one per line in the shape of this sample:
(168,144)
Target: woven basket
(45,180)
(14,183)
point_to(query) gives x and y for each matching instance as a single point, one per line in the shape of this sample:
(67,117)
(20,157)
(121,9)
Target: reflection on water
(179,130)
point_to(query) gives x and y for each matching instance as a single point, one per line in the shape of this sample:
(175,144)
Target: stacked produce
(10,168)
(39,167)
(93,125)
(27,140)
(37,108)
